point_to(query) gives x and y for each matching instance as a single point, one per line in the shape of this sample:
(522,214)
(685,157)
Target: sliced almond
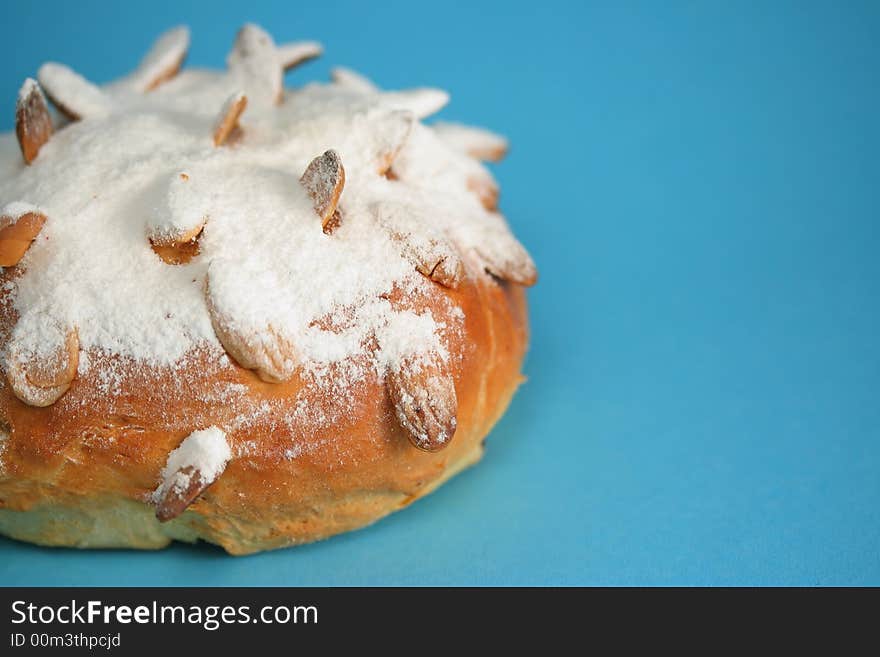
(72,94)
(178,248)
(185,235)
(390,133)
(226,126)
(58,369)
(422,102)
(423,395)
(267,352)
(163,61)
(175,227)
(446,270)
(255,65)
(33,125)
(353,80)
(178,497)
(501,253)
(323,180)
(179,251)
(476,142)
(41,377)
(429,251)
(190,469)
(20,224)
(486,190)
(513,264)
(294,54)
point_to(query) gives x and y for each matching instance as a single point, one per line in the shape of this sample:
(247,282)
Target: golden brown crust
(287,483)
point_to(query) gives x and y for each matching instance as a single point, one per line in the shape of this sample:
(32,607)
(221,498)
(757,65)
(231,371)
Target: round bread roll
(241,313)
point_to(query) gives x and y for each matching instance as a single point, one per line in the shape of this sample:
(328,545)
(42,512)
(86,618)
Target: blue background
(699,184)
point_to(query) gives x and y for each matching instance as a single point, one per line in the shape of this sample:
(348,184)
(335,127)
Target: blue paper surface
(699,184)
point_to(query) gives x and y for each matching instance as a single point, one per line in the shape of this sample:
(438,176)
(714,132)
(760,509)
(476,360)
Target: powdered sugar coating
(113,179)
(16,210)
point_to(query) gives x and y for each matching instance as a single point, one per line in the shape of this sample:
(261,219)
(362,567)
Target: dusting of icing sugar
(93,268)
(203,453)
(405,334)
(17,209)
(35,338)
(144,165)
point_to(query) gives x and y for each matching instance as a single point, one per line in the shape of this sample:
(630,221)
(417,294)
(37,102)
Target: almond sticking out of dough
(323,180)
(226,125)
(20,224)
(33,125)
(190,469)
(423,395)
